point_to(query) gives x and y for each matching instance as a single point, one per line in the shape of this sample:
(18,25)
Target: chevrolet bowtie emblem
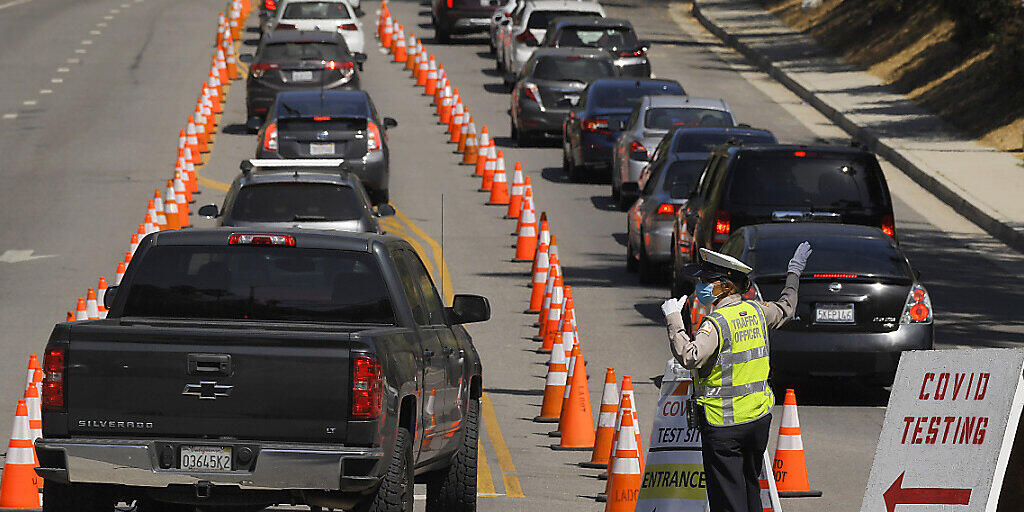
(207,390)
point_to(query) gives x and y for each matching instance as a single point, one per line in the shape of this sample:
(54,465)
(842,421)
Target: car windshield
(674,117)
(685,172)
(578,69)
(247,282)
(539,19)
(315,11)
(294,202)
(706,142)
(627,95)
(610,38)
(813,181)
(832,255)
(299,51)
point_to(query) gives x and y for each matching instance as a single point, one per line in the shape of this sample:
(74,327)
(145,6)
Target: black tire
(648,270)
(575,172)
(524,139)
(631,263)
(60,498)
(454,489)
(441,34)
(623,202)
(395,491)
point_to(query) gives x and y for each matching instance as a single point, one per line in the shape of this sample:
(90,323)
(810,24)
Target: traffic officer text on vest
(729,359)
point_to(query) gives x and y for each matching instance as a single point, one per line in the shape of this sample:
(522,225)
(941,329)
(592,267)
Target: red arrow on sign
(898,495)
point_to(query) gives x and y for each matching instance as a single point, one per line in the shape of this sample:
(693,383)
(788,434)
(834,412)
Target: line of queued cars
(691,176)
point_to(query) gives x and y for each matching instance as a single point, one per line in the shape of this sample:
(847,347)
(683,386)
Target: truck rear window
(296,202)
(813,181)
(244,282)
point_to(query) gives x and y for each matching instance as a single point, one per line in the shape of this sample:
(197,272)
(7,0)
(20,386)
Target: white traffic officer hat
(715,265)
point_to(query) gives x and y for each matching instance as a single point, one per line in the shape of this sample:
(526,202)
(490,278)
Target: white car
(320,15)
(518,38)
(501,15)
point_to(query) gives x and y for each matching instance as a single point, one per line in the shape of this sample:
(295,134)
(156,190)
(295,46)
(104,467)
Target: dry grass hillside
(916,49)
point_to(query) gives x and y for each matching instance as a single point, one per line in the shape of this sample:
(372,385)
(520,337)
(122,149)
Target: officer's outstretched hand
(799,261)
(673,305)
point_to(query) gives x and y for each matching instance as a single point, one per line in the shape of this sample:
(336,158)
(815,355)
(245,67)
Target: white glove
(673,305)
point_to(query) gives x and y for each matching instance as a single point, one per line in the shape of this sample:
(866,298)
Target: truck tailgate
(208,383)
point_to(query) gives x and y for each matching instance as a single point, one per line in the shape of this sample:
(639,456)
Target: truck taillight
(367,387)
(918,309)
(53,379)
(666,209)
(889,225)
(270,137)
(261,239)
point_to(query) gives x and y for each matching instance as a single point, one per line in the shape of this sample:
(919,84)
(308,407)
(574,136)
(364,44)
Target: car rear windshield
(610,38)
(539,19)
(246,282)
(315,11)
(628,95)
(673,117)
(579,69)
(276,52)
(296,202)
(706,142)
(783,179)
(683,171)
(832,255)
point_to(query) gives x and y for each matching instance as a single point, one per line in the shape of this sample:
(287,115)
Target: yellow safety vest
(736,390)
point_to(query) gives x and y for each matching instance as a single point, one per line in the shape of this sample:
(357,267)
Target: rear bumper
(534,118)
(276,466)
(833,354)
(658,242)
(638,67)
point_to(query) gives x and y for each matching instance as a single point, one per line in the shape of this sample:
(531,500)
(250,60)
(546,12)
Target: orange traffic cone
(554,387)
(470,149)
(464,134)
(626,471)
(490,169)
(527,201)
(35,414)
(101,293)
(565,326)
(19,488)
(540,278)
(430,83)
(625,409)
(442,83)
(526,244)
(515,200)
(421,71)
(119,274)
(455,124)
(605,423)
(577,422)
(789,465)
(448,108)
(412,52)
(401,53)
(388,32)
(33,365)
(549,288)
(80,312)
(485,144)
(171,214)
(549,324)
(92,311)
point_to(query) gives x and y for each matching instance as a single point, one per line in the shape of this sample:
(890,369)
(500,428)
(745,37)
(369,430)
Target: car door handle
(207,364)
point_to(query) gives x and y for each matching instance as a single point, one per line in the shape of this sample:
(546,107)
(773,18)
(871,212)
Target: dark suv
(743,185)
(461,17)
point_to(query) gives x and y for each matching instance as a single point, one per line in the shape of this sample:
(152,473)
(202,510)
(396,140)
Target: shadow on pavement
(236,129)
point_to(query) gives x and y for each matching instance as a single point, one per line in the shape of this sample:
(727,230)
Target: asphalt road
(79,163)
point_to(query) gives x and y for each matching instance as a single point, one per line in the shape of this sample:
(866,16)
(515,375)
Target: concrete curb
(935,183)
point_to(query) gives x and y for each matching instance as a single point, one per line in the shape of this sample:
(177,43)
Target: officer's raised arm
(691,353)
(779,312)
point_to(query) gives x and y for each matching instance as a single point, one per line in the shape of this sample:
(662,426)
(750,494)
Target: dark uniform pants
(733,457)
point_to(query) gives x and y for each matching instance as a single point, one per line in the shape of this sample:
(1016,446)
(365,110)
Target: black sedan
(336,125)
(590,132)
(614,35)
(289,60)
(860,305)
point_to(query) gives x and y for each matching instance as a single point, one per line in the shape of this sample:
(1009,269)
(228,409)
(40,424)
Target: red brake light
(270,137)
(263,66)
(271,5)
(919,312)
(888,225)
(321,118)
(348,26)
(666,209)
(637,151)
(835,276)
(595,125)
(633,53)
(373,139)
(450,3)
(800,153)
(261,239)
(722,219)
(918,308)
(53,378)
(330,65)
(367,387)
(918,294)
(531,91)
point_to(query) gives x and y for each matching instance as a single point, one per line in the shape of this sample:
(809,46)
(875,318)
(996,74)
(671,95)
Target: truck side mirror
(390,122)
(209,211)
(246,58)
(108,297)
(468,309)
(385,210)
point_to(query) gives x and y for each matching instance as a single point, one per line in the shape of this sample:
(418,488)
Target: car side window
(705,176)
(733,247)
(717,180)
(409,286)
(432,304)
(650,180)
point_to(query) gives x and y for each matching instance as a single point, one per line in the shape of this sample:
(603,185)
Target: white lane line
(63,70)
(80,50)
(29,103)
(13,3)
(11,116)
(108,17)
(57,80)
(86,41)
(74,60)
(95,32)
(101,24)
(125,6)
(115,11)
(45,91)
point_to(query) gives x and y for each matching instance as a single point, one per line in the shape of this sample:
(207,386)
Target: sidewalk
(982,184)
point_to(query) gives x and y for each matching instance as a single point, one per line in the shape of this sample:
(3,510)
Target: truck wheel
(59,498)
(395,491)
(454,489)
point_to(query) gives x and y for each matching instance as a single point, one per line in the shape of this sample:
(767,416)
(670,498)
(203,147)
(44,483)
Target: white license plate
(302,76)
(321,149)
(834,314)
(205,458)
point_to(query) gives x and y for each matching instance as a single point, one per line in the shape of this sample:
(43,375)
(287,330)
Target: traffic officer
(729,360)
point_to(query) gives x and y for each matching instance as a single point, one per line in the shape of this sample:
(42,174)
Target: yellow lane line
(484,484)
(214,184)
(398,230)
(446,275)
(508,469)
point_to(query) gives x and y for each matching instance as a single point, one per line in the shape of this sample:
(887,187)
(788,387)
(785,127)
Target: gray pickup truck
(239,369)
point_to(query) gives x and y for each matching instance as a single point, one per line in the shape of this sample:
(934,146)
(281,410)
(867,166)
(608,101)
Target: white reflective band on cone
(626,466)
(20,456)
(790,443)
(606,419)
(789,417)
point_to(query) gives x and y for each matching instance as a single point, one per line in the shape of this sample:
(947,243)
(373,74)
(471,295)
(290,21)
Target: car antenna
(441,264)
